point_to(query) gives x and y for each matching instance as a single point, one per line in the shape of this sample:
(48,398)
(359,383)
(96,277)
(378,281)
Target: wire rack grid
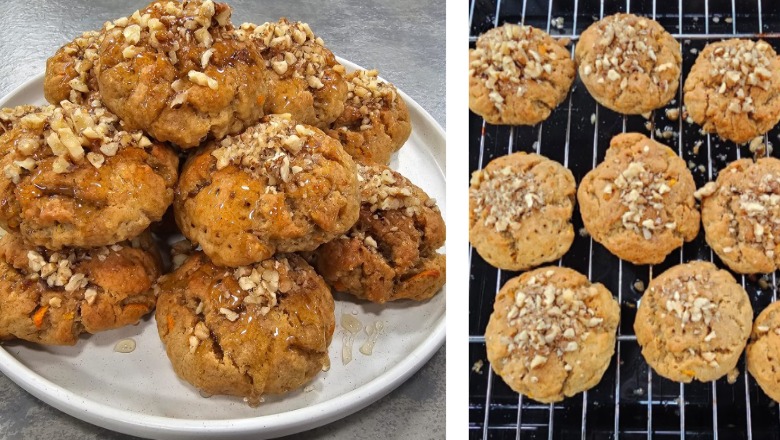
(631,401)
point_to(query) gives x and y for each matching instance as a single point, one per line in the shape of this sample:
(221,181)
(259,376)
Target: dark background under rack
(631,401)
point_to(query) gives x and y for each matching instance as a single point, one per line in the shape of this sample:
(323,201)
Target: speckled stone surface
(404,39)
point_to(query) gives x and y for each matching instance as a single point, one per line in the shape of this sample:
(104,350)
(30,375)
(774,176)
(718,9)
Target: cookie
(250,331)
(629,64)
(51,297)
(73,177)
(520,209)
(518,75)
(638,203)
(733,89)
(740,211)
(305,80)
(693,322)
(70,72)
(390,253)
(552,333)
(277,187)
(178,71)
(375,121)
(762,352)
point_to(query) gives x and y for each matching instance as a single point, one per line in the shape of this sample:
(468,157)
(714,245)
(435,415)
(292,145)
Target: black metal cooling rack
(631,401)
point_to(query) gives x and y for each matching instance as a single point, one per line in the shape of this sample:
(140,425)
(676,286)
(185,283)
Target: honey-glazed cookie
(638,202)
(520,209)
(762,352)
(70,72)
(552,333)
(733,89)
(629,64)
(693,322)
(518,75)
(250,331)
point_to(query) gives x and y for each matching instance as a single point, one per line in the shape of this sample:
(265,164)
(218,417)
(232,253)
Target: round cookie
(520,208)
(733,89)
(693,322)
(72,176)
(250,331)
(740,212)
(305,78)
(50,297)
(390,253)
(518,75)
(70,72)
(629,64)
(277,187)
(552,333)
(375,121)
(179,72)
(638,202)
(762,352)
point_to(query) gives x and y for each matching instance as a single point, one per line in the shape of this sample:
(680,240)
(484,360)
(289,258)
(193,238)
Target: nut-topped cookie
(629,64)
(693,322)
(639,201)
(552,333)
(518,75)
(520,209)
(178,71)
(70,72)
(741,215)
(762,352)
(72,176)
(733,89)
(279,186)
(305,78)
(375,122)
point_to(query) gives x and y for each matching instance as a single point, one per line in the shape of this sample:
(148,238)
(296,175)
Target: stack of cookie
(269,126)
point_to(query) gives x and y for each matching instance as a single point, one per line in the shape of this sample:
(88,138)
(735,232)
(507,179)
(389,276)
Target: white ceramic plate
(139,394)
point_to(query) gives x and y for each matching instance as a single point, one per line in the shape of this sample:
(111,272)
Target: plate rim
(289,422)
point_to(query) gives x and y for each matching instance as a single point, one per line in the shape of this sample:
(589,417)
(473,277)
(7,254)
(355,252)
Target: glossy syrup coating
(70,72)
(254,330)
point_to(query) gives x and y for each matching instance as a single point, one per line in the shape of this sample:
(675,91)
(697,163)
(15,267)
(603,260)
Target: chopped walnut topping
(642,193)
(369,95)
(689,301)
(261,282)
(385,191)
(59,269)
(756,219)
(504,197)
(738,68)
(229,314)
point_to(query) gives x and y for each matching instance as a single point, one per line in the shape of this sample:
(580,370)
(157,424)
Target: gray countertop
(404,39)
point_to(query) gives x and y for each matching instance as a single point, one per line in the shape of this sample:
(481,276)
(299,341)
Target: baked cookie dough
(520,209)
(693,322)
(72,176)
(51,297)
(629,64)
(279,186)
(249,331)
(390,253)
(763,352)
(305,79)
(178,71)
(518,75)
(741,215)
(70,72)
(552,333)
(638,202)
(733,89)
(375,121)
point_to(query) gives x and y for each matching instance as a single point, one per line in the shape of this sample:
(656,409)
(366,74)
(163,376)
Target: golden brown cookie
(639,201)
(178,71)
(305,79)
(518,75)
(50,297)
(390,253)
(72,176)
(249,331)
(740,213)
(733,89)
(70,72)
(629,64)
(520,209)
(277,187)
(552,333)
(763,352)
(375,121)
(693,322)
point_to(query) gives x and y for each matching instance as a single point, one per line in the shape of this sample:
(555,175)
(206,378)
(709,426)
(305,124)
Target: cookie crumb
(732,376)
(639,286)
(477,367)
(673,113)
